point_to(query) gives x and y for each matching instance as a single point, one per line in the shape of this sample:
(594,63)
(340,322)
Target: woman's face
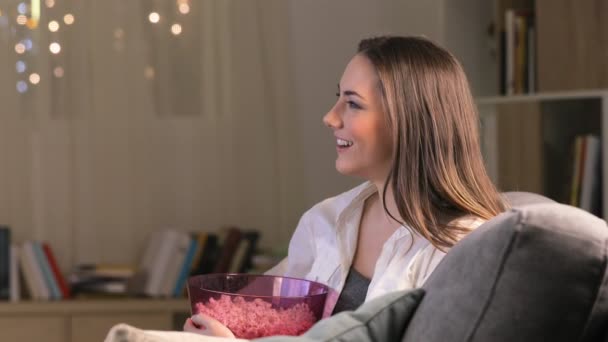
(363,141)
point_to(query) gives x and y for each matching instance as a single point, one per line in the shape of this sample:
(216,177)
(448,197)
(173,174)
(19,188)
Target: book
(160,263)
(15,279)
(591,176)
(209,255)
(48,277)
(59,278)
(238,259)
(177,257)
(185,269)
(146,266)
(229,247)
(5,262)
(38,287)
(104,271)
(201,238)
(252,237)
(579,149)
(509,52)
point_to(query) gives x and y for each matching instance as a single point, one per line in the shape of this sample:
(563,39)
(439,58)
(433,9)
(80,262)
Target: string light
(34,14)
(119,33)
(55,48)
(49,3)
(149,72)
(21,19)
(28,44)
(68,19)
(154,17)
(20,66)
(34,78)
(58,72)
(19,48)
(21,87)
(176,29)
(183,8)
(22,8)
(31,23)
(53,26)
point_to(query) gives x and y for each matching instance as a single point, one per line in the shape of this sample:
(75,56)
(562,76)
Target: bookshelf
(553,81)
(558,45)
(86,320)
(528,140)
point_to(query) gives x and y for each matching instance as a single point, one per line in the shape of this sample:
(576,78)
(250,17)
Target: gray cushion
(534,273)
(521,198)
(382,319)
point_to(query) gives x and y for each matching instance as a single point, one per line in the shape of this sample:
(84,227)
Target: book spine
(46,271)
(176,260)
(209,255)
(59,279)
(185,270)
(160,264)
(233,238)
(15,282)
(41,291)
(202,241)
(578,146)
(5,263)
(510,51)
(590,172)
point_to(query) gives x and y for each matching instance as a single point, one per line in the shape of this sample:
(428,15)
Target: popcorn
(257,318)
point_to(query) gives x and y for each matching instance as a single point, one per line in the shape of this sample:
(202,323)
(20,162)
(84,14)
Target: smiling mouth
(343,143)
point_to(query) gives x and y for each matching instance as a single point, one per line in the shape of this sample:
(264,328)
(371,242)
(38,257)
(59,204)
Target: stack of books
(518,60)
(586,185)
(172,256)
(100,280)
(34,263)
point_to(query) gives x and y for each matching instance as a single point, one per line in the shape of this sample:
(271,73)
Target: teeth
(344,143)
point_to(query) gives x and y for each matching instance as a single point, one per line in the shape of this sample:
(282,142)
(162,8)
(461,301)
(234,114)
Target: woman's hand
(207,325)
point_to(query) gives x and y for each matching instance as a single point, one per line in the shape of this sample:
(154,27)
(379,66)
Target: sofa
(537,272)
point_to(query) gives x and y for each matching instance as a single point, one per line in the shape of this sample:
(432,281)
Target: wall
(95,180)
(324,36)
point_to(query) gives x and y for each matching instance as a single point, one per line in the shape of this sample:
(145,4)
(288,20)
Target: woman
(406,122)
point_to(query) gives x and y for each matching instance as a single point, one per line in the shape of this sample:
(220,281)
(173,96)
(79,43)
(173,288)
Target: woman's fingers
(213,326)
(190,327)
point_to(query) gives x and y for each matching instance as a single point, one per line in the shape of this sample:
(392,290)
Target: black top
(354,292)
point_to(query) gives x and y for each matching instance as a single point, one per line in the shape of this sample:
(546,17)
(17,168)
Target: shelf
(87,320)
(538,97)
(96,306)
(528,141)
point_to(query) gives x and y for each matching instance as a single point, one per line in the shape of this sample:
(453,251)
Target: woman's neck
(379,202)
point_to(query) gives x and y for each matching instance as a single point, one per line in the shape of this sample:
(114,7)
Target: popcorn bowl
(254,306)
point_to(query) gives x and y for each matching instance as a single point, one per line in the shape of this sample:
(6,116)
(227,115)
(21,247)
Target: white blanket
(126,333)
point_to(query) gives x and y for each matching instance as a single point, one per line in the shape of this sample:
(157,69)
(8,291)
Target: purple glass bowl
(258,305)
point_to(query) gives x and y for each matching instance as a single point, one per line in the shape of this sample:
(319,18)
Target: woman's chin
(345,169)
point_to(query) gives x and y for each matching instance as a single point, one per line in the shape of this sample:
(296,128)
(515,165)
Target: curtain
(137,125)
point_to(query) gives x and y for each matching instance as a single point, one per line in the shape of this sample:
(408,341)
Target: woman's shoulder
(333,207)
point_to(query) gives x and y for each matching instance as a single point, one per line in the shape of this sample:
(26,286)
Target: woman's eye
(352,104)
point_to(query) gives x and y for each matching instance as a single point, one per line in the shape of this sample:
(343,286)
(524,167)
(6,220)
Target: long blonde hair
(437,171)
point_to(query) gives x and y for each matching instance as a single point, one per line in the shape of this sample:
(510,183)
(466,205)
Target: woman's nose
(332,119)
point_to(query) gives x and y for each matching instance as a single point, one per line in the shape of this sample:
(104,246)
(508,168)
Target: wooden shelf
(538,97)
(87,320)
(94,306)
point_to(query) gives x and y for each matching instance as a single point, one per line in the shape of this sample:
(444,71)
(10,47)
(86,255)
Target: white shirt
(323,247)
